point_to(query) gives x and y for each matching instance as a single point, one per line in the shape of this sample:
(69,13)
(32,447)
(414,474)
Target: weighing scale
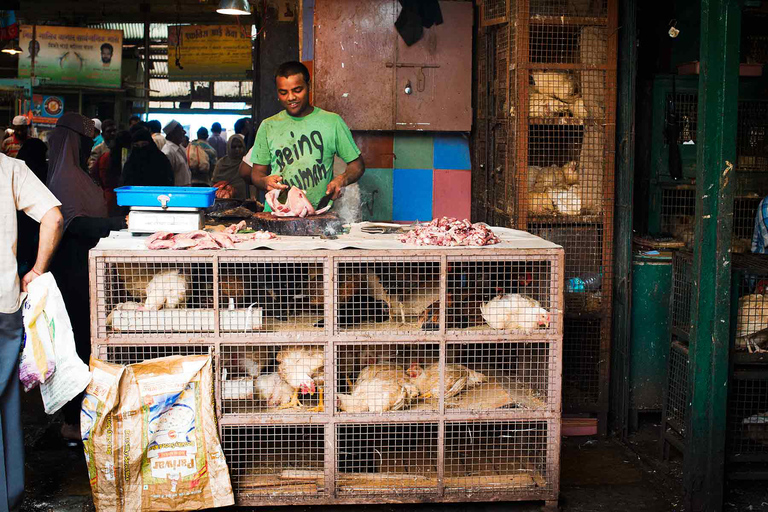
(172,209)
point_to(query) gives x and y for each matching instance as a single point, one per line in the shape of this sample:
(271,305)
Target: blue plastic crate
(178,197)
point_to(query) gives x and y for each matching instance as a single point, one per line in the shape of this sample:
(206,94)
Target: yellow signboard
(72,55)
(209,52)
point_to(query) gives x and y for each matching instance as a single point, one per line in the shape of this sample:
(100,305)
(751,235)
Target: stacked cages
(358,376)
(544,154)
(747,436)
(563,108)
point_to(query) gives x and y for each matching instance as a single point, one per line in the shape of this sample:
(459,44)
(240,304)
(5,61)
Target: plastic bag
(150,436)
(46,322)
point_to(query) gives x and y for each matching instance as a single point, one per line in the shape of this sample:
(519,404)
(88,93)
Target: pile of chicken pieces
(379,386)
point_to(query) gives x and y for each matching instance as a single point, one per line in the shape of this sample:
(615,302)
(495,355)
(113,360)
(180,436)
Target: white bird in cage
(273,389)
(556,84)
(166,290)
(752,322)
(515,312)
(566,201)
(302,369)
(379,388)
(457,379)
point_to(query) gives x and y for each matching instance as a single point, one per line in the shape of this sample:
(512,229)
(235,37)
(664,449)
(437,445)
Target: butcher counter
(483,323)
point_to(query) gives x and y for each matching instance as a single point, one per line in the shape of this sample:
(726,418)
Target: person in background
(85,222)
(175,136)
(228,168)
(108,134)
(146,165)
(20,191)
(110,168)
(12,144)
(134,119)
(98,139)
(34,153)
(243,127)
(202,159)
(217,142)
(155,128)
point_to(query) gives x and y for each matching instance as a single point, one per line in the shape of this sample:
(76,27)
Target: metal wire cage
(749,287)
(748,417)
(682,293)
(355,376)
(676,397)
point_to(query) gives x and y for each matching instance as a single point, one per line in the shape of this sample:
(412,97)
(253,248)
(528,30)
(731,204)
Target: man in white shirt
(174,136)
(20,190)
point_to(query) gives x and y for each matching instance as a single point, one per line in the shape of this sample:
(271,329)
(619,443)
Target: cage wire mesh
(552,10)
(288,296)
(678,207)
(269,461)
(495,455)
(748,416)
(686,106)
(386,458)
(682,293)
(751,141)
(581,362)
(282,435)
(677,391)
(272,378)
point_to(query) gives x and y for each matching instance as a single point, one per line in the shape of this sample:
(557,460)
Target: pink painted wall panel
(452,194)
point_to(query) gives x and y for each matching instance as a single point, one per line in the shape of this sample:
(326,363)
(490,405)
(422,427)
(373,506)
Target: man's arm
(353,173)
(51,230)
(261,178)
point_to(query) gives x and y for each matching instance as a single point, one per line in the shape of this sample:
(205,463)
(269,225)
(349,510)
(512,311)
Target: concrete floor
(597,475)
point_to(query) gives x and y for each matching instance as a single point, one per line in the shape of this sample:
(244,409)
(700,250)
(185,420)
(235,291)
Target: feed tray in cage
(272,379)
(127,317)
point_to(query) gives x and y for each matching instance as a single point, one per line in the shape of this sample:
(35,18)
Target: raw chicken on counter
(224,190)
(302,369)
(451,232)
(515,312)
(204,240)
(457,379)
(296,205)
(379,388)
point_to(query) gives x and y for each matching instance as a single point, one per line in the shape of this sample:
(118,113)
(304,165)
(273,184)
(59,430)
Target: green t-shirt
(301,149)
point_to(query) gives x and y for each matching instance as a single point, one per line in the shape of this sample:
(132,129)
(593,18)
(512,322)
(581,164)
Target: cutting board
(328,223)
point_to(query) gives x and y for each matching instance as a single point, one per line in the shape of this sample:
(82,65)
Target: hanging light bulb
(13,48)
(234,7)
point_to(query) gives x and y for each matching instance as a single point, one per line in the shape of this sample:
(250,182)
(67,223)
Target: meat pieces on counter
(450,232)
(205,240)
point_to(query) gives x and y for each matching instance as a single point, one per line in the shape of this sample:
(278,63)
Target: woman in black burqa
(34,153)
(85,222)
(146,166)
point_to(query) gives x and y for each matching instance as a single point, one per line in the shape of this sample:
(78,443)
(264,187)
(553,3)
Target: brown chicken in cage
(302,368)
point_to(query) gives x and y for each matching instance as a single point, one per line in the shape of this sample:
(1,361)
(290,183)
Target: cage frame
(330,337)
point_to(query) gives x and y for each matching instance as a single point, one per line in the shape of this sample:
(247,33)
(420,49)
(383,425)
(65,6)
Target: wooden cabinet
(366,73)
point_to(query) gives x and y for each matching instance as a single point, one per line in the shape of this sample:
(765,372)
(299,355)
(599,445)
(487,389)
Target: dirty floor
(597,475)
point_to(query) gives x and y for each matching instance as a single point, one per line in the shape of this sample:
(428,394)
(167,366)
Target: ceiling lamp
(234,7)
(13,48)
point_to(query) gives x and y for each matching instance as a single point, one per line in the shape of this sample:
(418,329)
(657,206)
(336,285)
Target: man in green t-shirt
(296,146)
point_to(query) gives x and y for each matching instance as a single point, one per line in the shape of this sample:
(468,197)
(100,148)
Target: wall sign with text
(209,52)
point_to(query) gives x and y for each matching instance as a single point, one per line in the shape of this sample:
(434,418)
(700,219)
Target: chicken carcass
(166,290)
(297,204)
(379,388)
(271,388)
(515,312)
(302,369)
(751,321)
(457,379)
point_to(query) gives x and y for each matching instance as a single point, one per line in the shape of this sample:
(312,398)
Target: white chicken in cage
(166,290)
(379,388)
(515,312)
(457,379)
(556,84)
(302,369)
(271,388)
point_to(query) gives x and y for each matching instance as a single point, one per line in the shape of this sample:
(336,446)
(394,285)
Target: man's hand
(274,182)
(28,278)
(335,187)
